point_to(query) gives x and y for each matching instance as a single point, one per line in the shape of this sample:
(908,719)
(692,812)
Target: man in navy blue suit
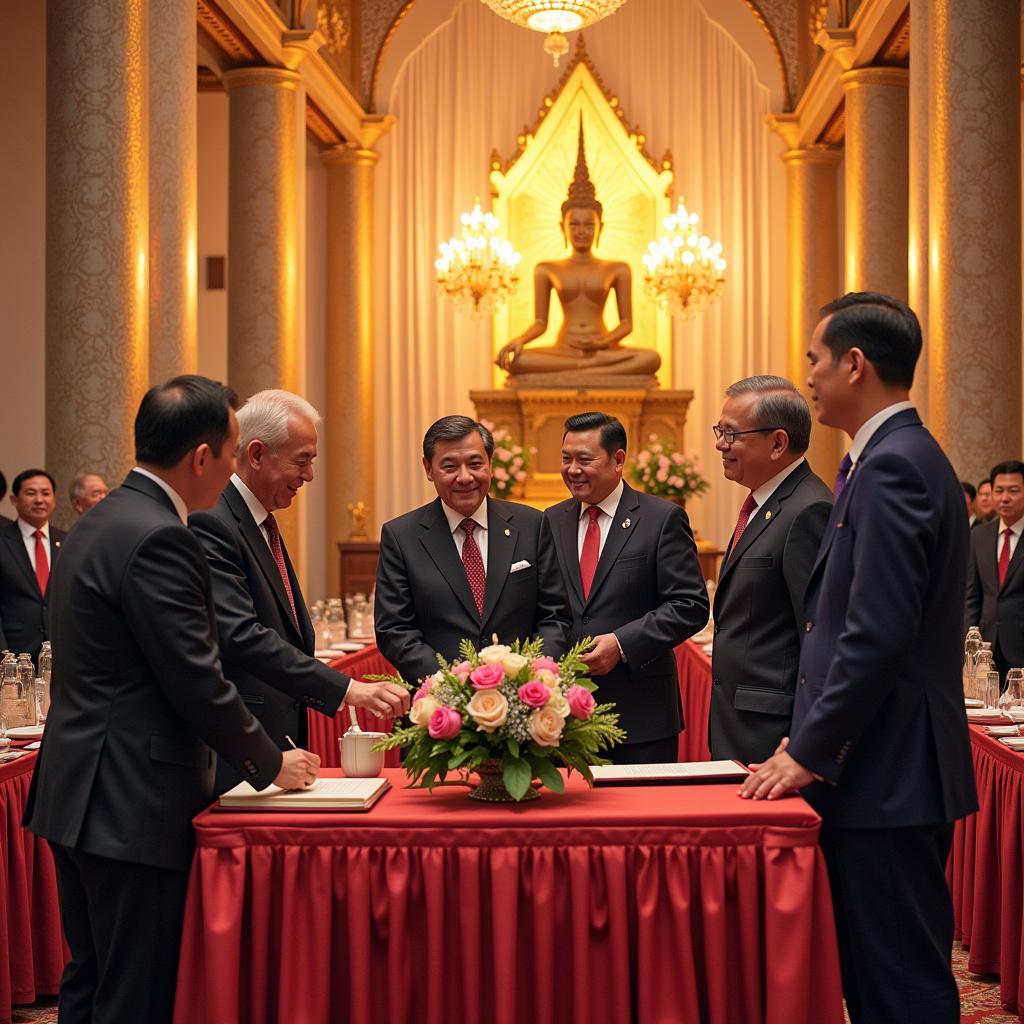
(879,741)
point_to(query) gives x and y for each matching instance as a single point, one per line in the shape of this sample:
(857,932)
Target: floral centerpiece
(509,713)
(660,469)
(508,464)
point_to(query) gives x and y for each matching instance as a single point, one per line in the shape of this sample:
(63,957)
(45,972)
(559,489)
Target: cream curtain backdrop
(469,88)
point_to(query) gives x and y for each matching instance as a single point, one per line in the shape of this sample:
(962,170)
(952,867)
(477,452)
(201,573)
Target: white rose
(546,727)
(495,654)
(513,664)
(558,703)
(489,709)
(421,710)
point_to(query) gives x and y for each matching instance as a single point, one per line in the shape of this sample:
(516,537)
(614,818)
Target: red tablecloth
(694,668)
(32,952)
(986,870)
(651,904)
(324,732)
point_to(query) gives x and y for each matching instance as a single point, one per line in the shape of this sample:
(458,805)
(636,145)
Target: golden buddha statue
(585,348)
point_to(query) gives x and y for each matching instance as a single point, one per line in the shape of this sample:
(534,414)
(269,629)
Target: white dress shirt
(254,505)
(868,428)
(1015,531)
(608,507)
(479,535)
(767,489)
(179,506)
(28,535)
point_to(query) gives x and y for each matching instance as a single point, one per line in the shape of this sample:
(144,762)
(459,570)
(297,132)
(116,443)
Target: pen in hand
(309,781)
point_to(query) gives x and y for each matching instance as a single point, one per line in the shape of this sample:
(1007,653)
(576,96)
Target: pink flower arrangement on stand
(661,470)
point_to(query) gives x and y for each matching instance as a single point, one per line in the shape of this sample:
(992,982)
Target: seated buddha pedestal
(535,417)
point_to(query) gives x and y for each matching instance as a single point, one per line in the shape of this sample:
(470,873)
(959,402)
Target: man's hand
(385,700)
(776,777)
(298,769)
(603,655)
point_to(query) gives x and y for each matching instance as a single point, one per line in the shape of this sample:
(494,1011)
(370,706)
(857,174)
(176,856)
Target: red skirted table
(986,870)
(595,907)
(32,951)
(694,668)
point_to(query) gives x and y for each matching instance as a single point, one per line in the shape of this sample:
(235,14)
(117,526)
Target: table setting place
(999,710)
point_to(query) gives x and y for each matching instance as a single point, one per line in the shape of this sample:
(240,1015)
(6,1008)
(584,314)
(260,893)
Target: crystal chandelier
(477,271)
(554,17)
(685,269)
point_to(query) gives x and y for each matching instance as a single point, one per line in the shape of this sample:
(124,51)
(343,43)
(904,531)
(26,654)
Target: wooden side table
(358,566)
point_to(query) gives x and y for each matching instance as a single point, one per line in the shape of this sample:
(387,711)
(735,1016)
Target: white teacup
(358,759)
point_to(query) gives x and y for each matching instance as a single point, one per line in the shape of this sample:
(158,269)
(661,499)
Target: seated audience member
(87,489)
(28,548)
(984,508)
(970,499)
(995,579)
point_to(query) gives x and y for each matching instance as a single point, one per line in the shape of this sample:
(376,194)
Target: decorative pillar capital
(243,78)
(859,78)
(840,44)
(349,154)
(819,155)
(787,127)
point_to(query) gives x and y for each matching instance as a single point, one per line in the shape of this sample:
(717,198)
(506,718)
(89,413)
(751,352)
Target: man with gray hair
(266,637)
(87,489)
(762,434)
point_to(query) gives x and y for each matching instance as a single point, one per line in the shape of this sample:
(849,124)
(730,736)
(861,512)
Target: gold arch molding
(752,5)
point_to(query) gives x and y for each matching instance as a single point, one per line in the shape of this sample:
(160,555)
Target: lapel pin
(508,532)
(768,515)
(627,523)
(57,542)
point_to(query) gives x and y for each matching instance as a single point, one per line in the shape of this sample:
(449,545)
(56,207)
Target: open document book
(324,795)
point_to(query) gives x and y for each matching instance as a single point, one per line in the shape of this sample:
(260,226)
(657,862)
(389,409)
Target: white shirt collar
(610,504)
(868,428)
(252,503)
(179,506)
(455,518)
(767,489)
(1016,529)
(28,531)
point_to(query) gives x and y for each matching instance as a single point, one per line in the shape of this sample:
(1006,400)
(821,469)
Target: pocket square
(524,564)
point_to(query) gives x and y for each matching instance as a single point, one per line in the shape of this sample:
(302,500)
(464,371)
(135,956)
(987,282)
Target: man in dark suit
(138,701)
(634,584)
(28,550)
(465,566)
(995,579)
(762,434)
(266,637)
(879,741)
(984,508)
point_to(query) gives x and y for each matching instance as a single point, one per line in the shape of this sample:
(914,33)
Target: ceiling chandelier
(477,271)
(554,17)
(685,269)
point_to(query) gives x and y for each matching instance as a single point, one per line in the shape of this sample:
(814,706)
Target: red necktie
(274,536)
(1004,556)
(473,563)
(591,550)
(42,563)
(746,510)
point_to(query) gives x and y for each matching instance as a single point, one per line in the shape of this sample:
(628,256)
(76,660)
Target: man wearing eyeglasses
(265,634)
(762,434)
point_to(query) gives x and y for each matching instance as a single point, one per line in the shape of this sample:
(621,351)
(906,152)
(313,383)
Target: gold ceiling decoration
(554,18)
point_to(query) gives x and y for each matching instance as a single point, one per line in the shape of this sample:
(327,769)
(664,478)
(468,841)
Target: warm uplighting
(685,269)
(477,271)
(554,17)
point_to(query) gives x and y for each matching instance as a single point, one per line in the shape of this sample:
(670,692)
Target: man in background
(635,586)
(762,434)
(87,489)
(139,706)
(995,581)
(28,550)
(263,628)
(984,507)
(465,566)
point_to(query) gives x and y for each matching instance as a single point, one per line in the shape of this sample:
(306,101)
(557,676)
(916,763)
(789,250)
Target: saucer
(25,732)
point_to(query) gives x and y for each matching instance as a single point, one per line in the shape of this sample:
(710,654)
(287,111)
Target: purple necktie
(844,472)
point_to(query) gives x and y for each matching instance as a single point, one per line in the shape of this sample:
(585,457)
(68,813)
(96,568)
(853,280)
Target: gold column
(349,357)
(97,230)
(172,183)
(264,260)
(974,209)
(813,271)
(917,222)
(876,180)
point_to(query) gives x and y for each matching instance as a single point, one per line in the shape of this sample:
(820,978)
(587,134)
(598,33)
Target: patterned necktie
(277,550)
(591,550)
(1004,557)
(746,510)
(844,472)
(42,563)
(473,563)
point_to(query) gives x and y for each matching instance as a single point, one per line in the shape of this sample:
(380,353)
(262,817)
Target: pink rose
(462,670)
(500,474)
(544,663)
(445,724)
(581,702)
(534,694)
(487,677)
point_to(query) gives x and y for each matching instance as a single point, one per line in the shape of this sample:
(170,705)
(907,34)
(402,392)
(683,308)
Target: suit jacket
(759,619)
(879,710)
(424,606)
(998,611)
(649,591)
(264,651)
(24,611)
(138,696)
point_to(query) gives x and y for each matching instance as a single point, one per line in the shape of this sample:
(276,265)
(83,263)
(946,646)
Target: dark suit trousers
(664,751)
(123,924)
(894,923)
